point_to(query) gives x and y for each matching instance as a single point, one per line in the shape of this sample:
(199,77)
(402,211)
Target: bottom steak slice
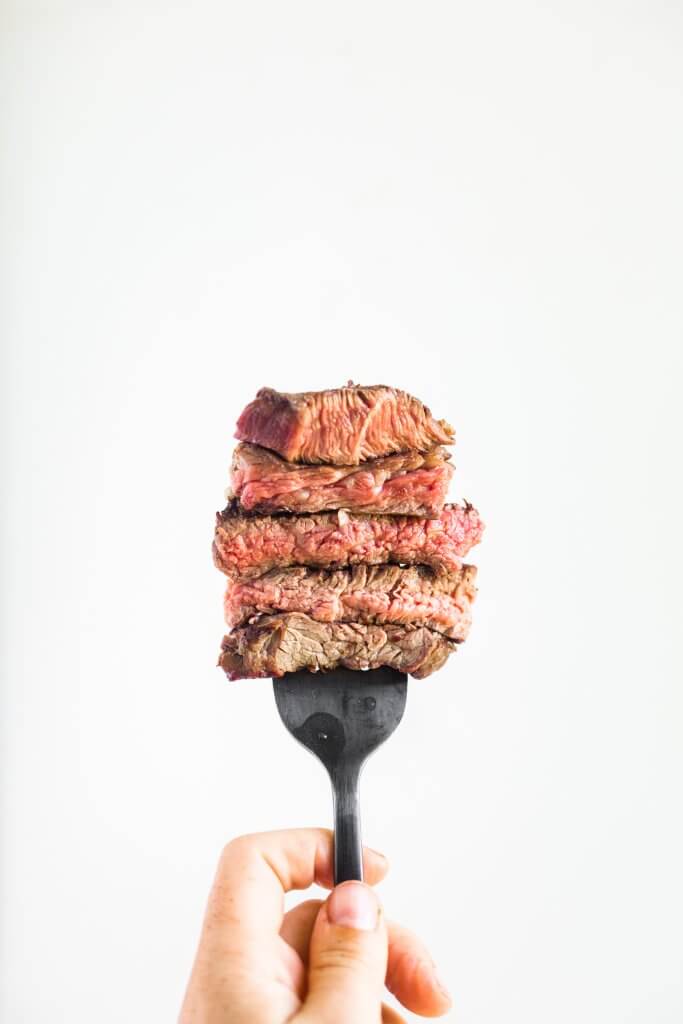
(275,644)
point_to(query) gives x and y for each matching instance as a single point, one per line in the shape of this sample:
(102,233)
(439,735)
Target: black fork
(342,717)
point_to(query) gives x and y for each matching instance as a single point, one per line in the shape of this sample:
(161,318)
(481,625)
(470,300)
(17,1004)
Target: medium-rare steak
(276,644)
(343,426)
(409,483)
(248,545)
(364,593)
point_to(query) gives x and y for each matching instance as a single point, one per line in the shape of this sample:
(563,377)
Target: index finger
(256,871)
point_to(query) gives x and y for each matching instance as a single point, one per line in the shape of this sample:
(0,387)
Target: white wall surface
(480,202)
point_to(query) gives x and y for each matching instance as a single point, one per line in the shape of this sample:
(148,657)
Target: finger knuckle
(236,847)
(342,957)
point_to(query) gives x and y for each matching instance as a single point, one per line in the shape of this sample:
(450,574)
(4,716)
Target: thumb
(347,958)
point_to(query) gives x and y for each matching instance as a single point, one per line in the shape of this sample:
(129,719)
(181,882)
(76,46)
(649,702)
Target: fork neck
(348,848)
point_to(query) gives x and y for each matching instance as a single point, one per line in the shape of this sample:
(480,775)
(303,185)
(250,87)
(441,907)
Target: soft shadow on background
(480,203)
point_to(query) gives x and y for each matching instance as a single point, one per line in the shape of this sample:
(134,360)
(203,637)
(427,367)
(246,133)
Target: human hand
(320,963)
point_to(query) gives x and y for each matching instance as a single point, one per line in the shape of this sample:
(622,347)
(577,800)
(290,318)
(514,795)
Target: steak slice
(364,593)
(410,483)
(343,426)
(276,644)
(249,545)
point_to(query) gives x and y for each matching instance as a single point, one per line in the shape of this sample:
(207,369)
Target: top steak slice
(248,545)
(362,593)
(343,426)
(409,483)
(276,644)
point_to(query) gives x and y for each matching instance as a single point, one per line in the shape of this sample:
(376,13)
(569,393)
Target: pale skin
(323,962)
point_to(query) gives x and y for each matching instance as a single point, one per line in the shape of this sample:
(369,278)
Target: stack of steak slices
(337,542)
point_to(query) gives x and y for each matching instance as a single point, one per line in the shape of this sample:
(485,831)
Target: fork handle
(348,848)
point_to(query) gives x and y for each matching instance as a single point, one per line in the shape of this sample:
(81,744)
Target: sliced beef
(364,593)
(344,426)
(410,483)
(248,545)
(275,644)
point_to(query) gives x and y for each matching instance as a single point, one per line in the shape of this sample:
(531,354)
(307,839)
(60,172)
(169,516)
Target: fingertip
(437,998)
(416,985)
(412,976)
(353,905)
(375,865)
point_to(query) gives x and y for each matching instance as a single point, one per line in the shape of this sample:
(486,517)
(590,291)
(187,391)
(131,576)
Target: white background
(480,202)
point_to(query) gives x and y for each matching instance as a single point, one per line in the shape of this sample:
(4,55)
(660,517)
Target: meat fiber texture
(276,644)
(370,594)
(250,545)
(344,426)
(409,483)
